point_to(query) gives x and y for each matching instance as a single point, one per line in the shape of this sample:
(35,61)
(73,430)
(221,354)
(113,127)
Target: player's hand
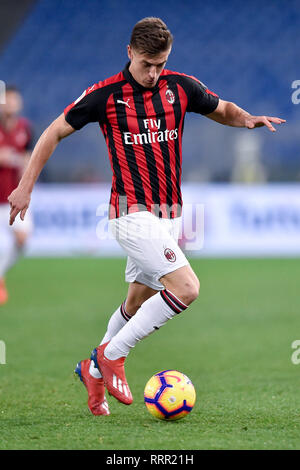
(19,201)
(259,121)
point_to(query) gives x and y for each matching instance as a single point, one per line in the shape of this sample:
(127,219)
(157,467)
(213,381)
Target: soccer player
(141,112)
(15,145)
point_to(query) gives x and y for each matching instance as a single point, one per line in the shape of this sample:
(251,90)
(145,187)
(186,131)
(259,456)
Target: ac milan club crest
(170,255)
(170,96)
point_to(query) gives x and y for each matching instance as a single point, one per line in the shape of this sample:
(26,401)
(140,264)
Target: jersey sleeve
(87,108)
(200,99)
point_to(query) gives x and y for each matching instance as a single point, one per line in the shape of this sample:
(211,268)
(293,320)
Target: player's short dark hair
(151,36)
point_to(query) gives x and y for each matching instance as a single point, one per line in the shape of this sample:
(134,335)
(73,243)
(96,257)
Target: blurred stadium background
(246,52)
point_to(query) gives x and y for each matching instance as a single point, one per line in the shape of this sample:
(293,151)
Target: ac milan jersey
(19,139)
(143,131)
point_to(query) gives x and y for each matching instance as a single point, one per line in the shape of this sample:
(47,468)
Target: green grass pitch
(234,343)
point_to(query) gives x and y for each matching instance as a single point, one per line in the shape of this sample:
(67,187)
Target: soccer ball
(169,395)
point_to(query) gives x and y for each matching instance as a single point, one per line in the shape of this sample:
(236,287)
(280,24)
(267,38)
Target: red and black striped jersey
(143,131)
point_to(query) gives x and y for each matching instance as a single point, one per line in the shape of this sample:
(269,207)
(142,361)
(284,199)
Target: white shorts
(151,246)
(19,225)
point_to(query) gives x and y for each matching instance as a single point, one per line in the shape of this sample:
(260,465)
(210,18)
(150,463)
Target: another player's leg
(91,376)
(136,296)
(159,258)
(86,370)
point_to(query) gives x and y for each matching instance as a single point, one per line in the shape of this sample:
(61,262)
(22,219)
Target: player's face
(146,69)
(13,104)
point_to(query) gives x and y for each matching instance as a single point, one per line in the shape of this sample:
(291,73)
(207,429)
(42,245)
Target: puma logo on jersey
(118,384)
(124,102)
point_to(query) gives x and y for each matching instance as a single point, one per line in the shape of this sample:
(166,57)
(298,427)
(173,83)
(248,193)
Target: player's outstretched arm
(19,199)
(230,114)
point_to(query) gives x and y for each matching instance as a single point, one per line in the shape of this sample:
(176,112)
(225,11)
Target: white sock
(9,258)
(153,314)
(116,322)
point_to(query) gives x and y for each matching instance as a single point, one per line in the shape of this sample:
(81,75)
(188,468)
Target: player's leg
(158,258)
(86,370)
(137,294)
(19,235)
(3,252)
(181,289)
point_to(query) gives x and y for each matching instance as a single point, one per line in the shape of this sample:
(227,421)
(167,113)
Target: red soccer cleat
(95,387)
(114,375)
(3,292)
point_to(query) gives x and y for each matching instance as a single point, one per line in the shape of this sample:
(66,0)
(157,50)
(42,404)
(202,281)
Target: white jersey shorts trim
(151,245)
